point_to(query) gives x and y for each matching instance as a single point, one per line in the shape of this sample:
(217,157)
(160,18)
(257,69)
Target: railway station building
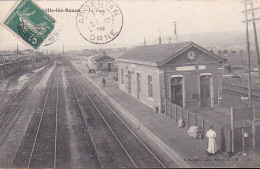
(101,62)
(184,73)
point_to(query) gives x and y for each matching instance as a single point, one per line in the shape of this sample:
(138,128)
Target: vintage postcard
(129,83)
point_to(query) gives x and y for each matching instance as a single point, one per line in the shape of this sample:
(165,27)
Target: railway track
(43,152)
(12,107)
(92,146)
(240,90)
(129,150)
(22,89)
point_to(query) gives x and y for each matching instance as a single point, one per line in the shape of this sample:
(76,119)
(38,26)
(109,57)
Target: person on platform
(104,81)
(212,146)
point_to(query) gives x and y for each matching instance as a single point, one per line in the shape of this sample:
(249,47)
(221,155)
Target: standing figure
(212,146)
(104,81)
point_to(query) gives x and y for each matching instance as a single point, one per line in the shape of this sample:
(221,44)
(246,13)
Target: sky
(141,18)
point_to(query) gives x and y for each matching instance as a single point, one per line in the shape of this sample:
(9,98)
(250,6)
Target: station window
(150,86)
(122,76)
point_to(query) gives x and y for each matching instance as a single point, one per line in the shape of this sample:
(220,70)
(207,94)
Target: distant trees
(232,51)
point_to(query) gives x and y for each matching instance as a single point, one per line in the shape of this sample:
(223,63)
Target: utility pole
(249,76)
(249,2)
(252,10)
(144,41)
(256,41)
(175,32)
(248,60)
(63,50)
(160,39)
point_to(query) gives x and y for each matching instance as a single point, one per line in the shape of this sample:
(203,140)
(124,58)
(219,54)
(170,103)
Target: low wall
(192,119)
(39,64)
(27,67)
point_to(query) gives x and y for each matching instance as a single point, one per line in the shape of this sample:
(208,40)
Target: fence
(176,112)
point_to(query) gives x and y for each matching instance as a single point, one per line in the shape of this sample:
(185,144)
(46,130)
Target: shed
(100,62)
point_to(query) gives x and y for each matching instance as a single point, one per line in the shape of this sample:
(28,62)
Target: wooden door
(176,90)
(205,90)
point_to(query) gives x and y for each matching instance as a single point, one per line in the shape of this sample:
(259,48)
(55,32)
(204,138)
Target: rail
(106,122)
(7,113)
(41,121)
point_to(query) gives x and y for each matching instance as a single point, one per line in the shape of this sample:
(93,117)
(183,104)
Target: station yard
(192,151)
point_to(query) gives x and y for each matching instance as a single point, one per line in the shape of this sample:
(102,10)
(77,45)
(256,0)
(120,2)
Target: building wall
(200,58)
(191,86)
(191,82)
(144,72)
(202,64)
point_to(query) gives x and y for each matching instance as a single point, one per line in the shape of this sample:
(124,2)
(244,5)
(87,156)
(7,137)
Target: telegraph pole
(252,10)
(249,2)
(175,31)
(160,39)
(144,41)
(249,78)
(256,41)
(63,50)
(248,60)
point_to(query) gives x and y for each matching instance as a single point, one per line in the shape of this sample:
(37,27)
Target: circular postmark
(99,21)
(53,37)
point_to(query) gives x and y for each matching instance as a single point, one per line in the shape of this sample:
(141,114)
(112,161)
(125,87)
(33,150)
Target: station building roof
(156,55)
(101,56)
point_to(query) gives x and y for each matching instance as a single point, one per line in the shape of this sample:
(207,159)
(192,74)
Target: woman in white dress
(212,146)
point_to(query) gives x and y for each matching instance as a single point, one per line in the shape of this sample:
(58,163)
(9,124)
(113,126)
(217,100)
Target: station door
(176,90)
(205,90)
(109,66)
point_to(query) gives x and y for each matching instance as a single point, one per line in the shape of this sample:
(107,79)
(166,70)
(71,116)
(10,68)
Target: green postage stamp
(31,23)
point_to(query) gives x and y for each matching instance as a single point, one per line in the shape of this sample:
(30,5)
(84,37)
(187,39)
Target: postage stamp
(99,22)
(30,23)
